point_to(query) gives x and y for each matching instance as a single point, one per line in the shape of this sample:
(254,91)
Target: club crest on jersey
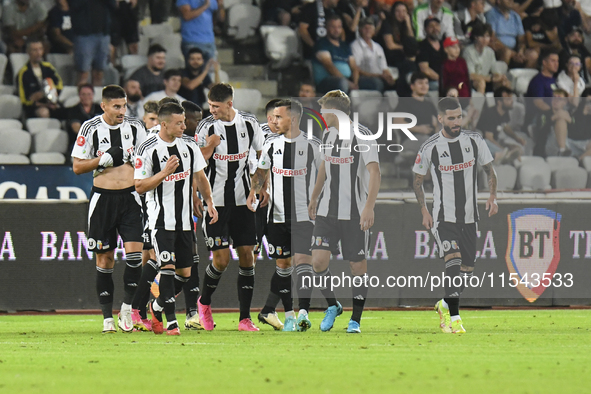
(185,155)
(218,241)
(279,251)
(467,149)
(446,246)
(126,136)
(301,152)
(80,141)
(533,251)
(210,242)
(243,135)
(91,243)
(318,241)
(418,159)
(271,249)
(138,163)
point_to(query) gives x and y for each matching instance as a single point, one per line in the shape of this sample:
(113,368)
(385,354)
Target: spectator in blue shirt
(509,37)
(197,22)
(334,65)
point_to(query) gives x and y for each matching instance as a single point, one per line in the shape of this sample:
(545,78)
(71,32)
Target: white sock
(125,307)
(290,314)
(455,317)
(157,306)
(170,323)
(302,312)
(109,319)
(444,304)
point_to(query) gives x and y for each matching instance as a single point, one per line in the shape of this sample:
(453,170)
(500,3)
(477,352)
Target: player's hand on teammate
(198,207)
(427,218)
(312,209)
(171,165)
(491,206)
(213,213)
(367,219)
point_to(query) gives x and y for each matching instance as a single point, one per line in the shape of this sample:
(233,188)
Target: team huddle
(243,180)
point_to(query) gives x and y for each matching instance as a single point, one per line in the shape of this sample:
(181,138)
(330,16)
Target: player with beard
(453,156)
(196,78)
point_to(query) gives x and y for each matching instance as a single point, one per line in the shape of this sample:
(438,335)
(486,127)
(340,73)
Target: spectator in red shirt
(454,70)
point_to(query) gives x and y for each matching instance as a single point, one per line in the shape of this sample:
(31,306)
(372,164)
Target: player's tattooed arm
(258,181)
(420,194)
(492,178)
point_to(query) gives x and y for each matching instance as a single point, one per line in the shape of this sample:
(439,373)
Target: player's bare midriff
(115,178)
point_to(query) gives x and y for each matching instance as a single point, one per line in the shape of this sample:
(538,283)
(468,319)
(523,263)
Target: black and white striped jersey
(96,137)
(453,164)
(347,178)
(252,156)
(228,170)
(293,164)
(170,204)
(154,130)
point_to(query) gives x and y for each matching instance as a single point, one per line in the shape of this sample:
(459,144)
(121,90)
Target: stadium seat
(392,99)
(500,67)
(224,77)
(175,62)
(172,43)
(111,76)
(281,45)
(243,21)
(535,176)
(394,71)
(130,63)
(15,141)
(72,101)
(526,160)
(477,101)
(38,125)
(11,124)
(587,163)
(570,178)
(229,3)
(3,63)
(17,61)
(98,94)
(6,89)
(366,94)
(67,92)
(557,163)
(159,29)
(51,140)
(247,99)
(507,176)
(521,79)
(10,107)
(65,66)
(48,158)
(9,158)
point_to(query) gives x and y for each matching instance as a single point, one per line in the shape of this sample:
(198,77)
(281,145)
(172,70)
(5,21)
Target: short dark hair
(295,107)
(156,48)
(221,92)
(447,104)
(113,92)
(586,92)
(334,17)
(480,29)
(172,72)
(546,53)
(429,20)
(191,107)
(85,85)
(416,76)
(33,40)
(502,89)
(271,104)
(194,50)
(168,100)
(169,109)
(151,107)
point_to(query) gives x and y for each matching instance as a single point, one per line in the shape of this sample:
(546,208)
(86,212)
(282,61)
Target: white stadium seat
(392,99)
(11,124)
(155,30)
(521,79)
(3,63)
(535,176)
(558,163)
(281,45)
(507,176)
(67,92)
(247,99)
(130,63)
(65,66)
(533,160)
(98,94)
(366,94)
(39,125)
(224,77)
(72,101)
(15,141)
(172,43)
(229,3)
(17,61)
(587,163)
(48,158)
(500,67)
(6,89)
(243,21)
(51,140)
(10,107)
(9,158)
(570,178)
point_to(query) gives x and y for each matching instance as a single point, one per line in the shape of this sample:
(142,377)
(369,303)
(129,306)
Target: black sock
(191,288)
(322,282)
(131,276)
(273,297)
(304,283)
(359,296)
(179,283)
(142,294)
(245,285)
(452,291)
(466,276)
(166,297)
(104,290)
(210,283)
(285,287)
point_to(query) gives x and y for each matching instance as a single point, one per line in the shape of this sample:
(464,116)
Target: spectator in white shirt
(172,84)
(570,79)
(371,60)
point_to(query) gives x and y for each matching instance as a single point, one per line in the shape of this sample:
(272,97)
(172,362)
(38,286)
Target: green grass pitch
(519,351)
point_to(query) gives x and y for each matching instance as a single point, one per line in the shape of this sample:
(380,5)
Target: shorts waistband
(128,190)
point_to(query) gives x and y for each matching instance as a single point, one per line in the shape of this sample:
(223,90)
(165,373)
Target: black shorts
(455,237)
(124,25)
(261,227)
(235,225)
(329,231)
(113,212)
(285,240)
(173,247)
